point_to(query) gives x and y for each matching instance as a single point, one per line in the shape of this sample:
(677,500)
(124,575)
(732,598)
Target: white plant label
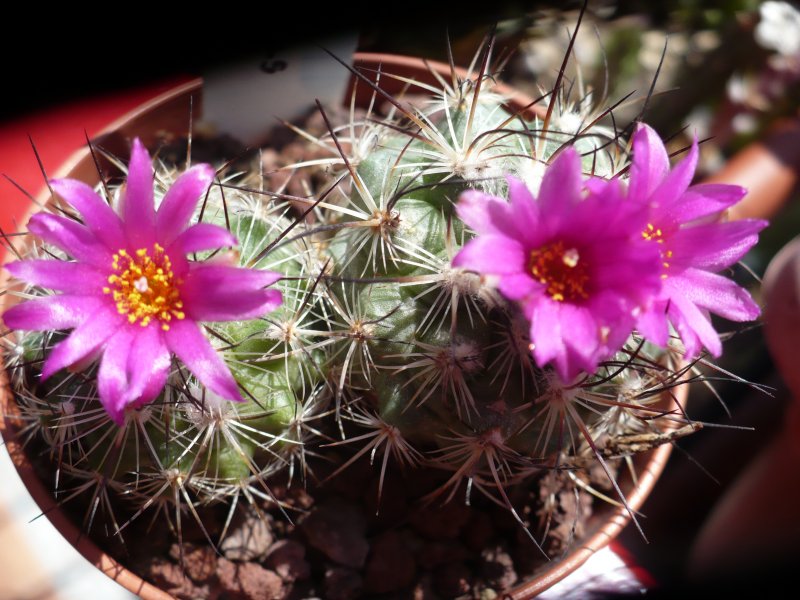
(245,99)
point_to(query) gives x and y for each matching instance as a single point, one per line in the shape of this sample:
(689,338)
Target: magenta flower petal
(518,286)
(694,327)
(486,214)
(200,237)
(702,200)
(713,246)
(133,370)
(677,181)
(71,277)
(530,227)
(595,185)
(99,217)
(653,323)
(650,162)
(567,335)
(138,212)
(546,329)
(581,339)
(189,344)
(87,337)
(112,376)
(561,186)
(523,206)
(233,278)
(71,237)
(222,293)
(149,363)
(492,254)
(52,313)
(715,292)
(180,201)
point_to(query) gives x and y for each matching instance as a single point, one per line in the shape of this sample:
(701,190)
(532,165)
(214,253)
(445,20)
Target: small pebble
(199,562)
(173,580)
(250,540)
(248,581)
(337,529)
(287,559)
(435,553)
(423,590)
(259,583)
(452,580)
(342,583)
(392,506)
(497,567)
(440,522)
(391,565)
(478,531)
(228,575)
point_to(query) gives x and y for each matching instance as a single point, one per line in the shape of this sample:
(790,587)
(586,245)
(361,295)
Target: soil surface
(339,542)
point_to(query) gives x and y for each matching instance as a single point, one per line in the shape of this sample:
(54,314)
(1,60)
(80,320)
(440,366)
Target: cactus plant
(398,336)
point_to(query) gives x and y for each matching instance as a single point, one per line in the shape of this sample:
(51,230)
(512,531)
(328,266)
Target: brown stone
(452,580)
(250,540)
(248,581)
(337,529)
(199,562)
(173,580)
(342,583)
(391,565)
(259,583)
(478,531)
(440,522)
(497,567)
(287,559)
(392,505)
(435,553)
(228,574)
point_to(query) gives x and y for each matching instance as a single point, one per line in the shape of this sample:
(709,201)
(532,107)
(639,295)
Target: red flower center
(561,270)
(144,287)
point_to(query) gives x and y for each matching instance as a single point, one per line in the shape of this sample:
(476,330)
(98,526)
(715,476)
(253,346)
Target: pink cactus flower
(130,294)
(684,225)
(573,258)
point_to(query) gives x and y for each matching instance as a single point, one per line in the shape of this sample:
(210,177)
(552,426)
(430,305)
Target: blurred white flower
(744,123)
(779,28)
(738,89)
(699,121)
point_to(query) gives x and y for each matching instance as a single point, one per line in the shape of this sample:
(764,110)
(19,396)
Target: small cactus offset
(443,280)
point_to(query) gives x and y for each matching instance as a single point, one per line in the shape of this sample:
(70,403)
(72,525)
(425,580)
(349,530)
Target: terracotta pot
(162,114)
(769,169)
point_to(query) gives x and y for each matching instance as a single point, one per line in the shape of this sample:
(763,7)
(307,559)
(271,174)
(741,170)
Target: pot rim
(175,102)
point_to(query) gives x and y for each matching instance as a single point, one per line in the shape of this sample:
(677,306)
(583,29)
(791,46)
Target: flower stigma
(144,287)
(561,270)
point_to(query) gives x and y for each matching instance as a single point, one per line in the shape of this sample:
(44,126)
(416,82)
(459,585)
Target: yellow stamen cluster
(145,288)
(654,234)
(561,270)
